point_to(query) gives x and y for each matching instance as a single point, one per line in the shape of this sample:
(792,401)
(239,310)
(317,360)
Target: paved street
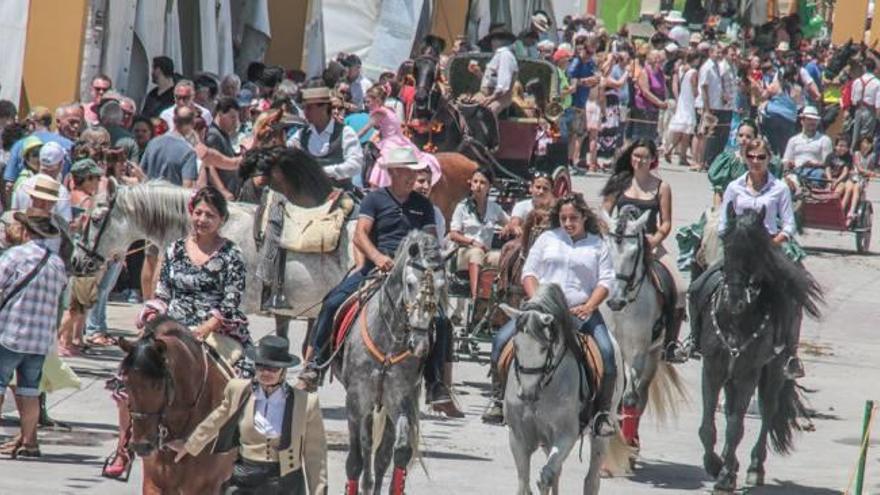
(468,457)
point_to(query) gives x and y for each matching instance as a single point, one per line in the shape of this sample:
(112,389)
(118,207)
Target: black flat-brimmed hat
(272,352)
(496,31)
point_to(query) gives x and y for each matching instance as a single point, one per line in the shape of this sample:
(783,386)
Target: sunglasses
(752,156)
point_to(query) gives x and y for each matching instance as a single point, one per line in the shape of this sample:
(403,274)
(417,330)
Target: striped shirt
(27,322)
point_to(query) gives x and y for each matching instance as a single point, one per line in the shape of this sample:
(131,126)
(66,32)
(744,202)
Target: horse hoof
(755,478)
(632,463)
(713,464)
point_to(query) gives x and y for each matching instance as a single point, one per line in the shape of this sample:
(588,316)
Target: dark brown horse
(513,257)
(173,384)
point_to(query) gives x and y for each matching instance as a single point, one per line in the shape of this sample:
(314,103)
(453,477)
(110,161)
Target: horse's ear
(643,219)
(607,218)
(762,213)
(510,311)
(160,346)
(731,211)
(414,250)
(546,319)
(125,344)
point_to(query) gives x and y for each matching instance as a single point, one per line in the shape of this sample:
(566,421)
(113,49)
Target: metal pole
(863,445)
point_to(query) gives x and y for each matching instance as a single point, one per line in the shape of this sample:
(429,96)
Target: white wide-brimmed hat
(675,17)
(403,157)
(810,112)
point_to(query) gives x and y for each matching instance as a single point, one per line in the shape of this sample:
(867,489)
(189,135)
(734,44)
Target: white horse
(157,211)
(636,313)
(543,401)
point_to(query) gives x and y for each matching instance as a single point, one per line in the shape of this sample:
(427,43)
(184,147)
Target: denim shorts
(28,368)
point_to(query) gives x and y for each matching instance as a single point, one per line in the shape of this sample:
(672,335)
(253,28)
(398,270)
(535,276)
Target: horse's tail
(380,422)
(784,423)
(666,392)
(617,455)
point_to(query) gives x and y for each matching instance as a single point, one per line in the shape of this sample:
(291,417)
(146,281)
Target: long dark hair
(592,224)
(622,177)
(304,175)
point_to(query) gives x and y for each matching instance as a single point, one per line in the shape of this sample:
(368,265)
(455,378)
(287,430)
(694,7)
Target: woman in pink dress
(391,136)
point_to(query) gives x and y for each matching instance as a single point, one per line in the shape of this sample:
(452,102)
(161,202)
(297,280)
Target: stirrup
(494,414)
(111,459)
(676,353)
(794,368)
(278,301)
(602,426)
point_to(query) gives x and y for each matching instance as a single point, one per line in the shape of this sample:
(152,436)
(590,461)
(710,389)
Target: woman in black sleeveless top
(635,183)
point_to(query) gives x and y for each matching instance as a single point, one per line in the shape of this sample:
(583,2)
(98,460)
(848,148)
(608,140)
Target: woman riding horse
(573,256)
(283,446)
(201,286)
(758,189)
(634,183)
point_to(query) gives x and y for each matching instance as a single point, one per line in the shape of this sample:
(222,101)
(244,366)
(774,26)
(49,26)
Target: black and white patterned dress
(196,293)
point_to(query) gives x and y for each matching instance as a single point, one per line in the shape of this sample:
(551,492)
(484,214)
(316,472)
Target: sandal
(117,466)
(10,445)
(101,339)
(68,351)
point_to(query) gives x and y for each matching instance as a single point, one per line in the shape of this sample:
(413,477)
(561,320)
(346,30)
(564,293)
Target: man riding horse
(387,215)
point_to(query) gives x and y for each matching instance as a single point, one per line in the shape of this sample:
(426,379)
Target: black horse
(742,314)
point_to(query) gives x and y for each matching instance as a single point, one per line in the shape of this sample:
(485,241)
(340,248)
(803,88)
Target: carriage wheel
(866,221)
(561,181)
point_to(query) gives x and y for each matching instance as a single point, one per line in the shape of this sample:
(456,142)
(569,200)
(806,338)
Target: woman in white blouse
(541,191)
(473,226)
(573,255)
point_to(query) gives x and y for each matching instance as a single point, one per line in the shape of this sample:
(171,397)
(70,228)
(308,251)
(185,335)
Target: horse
(173,383)
(381,365)
(547,395)
(639,324)
(739,314)
(157,211)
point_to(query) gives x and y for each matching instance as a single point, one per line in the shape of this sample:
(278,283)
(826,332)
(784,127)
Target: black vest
(334,155)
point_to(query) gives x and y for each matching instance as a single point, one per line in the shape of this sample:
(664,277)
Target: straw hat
(403,157)
(44,187)
(320,94)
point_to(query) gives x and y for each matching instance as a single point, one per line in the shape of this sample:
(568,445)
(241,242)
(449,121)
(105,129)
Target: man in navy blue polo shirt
(387,215)
(581,75)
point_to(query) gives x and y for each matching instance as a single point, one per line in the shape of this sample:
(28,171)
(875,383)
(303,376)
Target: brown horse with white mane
(173,383)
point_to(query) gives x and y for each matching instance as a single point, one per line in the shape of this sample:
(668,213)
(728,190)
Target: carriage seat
(594,367)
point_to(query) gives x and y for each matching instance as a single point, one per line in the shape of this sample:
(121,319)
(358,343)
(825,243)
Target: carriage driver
(573,255)
(496,83)
(387,215)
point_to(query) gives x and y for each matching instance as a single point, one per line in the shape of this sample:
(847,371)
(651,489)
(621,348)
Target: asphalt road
(465,456)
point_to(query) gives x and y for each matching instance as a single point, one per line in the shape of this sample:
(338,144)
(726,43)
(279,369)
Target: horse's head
(541,325)
(420,271)
(746,247)
(536,222)
(425,74)
(148,374)
(628,248)
(101,226)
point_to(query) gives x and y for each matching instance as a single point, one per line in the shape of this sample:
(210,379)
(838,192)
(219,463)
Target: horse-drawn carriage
(821,209)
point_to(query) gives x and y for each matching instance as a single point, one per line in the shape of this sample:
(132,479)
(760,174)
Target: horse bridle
(408,308)
(547,370)
(162,430)
(633,283)
(92,252)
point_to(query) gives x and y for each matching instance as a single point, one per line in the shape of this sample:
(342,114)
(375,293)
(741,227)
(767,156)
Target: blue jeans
(594,325)
(29,368)
(332,301)
(97,318)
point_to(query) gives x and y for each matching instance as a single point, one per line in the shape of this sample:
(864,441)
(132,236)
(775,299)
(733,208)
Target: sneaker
(675,353)
(794,369)
(602,426)
(495,414)
(448,408)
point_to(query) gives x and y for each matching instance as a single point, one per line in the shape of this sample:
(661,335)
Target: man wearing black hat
(32,278)
(357,83)
(283,444)
(496,85)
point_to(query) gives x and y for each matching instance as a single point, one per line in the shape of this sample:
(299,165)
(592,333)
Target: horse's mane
(156,206)
(145,358)
(429,248)
(532,221)
(748,248)
(550,299)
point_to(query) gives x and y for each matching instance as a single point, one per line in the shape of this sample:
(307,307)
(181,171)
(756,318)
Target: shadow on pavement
(669,475)
(790,488)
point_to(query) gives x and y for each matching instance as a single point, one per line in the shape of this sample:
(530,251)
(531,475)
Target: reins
(547,370)
(632,281)
(734,348)
(92,252)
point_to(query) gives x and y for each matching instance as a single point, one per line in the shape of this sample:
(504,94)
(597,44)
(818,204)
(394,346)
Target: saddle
(665,285)
(309,230)
(700,292)
(592,367)
(348,312)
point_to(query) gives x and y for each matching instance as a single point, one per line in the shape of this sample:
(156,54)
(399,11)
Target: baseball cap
(30,143)
(561,53)
(51,154)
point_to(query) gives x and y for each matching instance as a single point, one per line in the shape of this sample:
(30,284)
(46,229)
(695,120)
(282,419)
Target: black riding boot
(495,413)
(279,299)
(602,426)
(44,420)
(673,350)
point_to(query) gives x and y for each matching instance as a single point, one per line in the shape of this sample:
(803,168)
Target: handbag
(21,284)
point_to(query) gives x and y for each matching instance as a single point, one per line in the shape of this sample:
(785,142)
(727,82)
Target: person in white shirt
(358,84)
(333,145)
(184,95)
(499,77)
(717,100)
(806,152)
(574,256)
(864,98)
(541,192)
(473,226)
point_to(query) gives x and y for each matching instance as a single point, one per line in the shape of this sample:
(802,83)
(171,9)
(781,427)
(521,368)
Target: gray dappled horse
(544,399)
(157,211)
(739,314)
(381,368)
(636,314)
